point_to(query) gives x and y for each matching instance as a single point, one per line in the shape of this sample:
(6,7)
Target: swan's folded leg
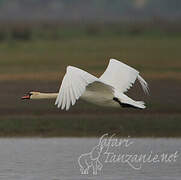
(126,105)
(126,101)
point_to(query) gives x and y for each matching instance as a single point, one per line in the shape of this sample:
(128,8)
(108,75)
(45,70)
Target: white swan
(108,90)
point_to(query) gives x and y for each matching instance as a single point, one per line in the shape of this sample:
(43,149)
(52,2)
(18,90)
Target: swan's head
(31,95)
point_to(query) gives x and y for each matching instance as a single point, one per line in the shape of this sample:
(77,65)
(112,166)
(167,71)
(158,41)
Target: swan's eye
(30,94)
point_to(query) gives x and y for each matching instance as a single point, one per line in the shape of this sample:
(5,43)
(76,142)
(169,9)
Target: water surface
(57,158)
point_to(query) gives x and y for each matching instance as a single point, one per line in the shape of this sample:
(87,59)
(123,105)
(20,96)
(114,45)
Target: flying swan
(107,90)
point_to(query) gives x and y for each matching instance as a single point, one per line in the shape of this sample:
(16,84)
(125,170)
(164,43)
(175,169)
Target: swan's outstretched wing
(73,86)
(122,76)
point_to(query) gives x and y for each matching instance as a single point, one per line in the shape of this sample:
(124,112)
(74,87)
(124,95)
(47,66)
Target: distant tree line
(55,31)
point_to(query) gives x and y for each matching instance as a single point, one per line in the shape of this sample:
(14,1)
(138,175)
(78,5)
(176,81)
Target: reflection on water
(57,158)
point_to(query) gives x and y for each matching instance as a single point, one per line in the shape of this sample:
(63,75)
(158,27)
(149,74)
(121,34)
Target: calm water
(57,158)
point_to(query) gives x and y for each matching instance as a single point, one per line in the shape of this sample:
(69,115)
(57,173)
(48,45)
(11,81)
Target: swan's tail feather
(144,84)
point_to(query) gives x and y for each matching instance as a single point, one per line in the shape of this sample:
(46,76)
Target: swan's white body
(108,90)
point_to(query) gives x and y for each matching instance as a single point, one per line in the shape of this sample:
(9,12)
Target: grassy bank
(134,125)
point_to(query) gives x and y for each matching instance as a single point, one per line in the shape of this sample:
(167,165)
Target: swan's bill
(27,96)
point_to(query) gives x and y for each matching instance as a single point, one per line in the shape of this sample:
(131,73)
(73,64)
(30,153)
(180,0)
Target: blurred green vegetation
(51,49)
(53,31)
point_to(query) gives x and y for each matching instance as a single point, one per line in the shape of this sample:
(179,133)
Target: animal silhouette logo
(92,159)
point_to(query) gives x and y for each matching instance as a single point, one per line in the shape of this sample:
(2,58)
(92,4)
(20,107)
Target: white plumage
(108,90)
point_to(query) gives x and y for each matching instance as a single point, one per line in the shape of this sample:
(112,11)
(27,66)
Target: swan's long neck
(45,96)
